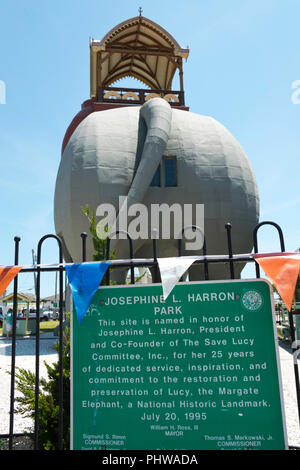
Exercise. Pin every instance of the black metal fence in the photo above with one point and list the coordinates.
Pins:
(130, 263)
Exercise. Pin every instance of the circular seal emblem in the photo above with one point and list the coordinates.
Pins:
(252, 300)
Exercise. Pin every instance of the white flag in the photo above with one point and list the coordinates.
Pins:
(171, 270)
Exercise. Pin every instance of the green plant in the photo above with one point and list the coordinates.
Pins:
(48, 398)
(98, 243)
(2, 444)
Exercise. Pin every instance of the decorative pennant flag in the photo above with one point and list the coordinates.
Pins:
(7, 274)
(283, 271)
(171, 270)
(84, 279)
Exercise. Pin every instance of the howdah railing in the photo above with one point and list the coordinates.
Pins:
(138, 96)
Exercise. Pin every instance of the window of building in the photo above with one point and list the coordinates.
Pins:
(170, 168)
(169, 173)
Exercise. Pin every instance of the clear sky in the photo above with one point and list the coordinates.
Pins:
(244, 58)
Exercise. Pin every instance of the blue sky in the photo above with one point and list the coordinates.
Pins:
(244, 57)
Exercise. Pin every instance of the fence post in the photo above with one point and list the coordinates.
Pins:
(228, 227)
(195, 227)
(37, 344)
(83, 238)
(255, 244)
(155, 276)
(13, 348)
(130, 254)
(291, 320)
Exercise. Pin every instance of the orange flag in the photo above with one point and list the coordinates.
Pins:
(7, 274)
(283, 271)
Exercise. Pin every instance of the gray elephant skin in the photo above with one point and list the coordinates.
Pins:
(116, 153)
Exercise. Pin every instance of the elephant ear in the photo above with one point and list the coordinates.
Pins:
(157, 116)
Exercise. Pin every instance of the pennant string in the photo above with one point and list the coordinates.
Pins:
(172, 269)
(84, 280)
(7, 274)
(283, 271)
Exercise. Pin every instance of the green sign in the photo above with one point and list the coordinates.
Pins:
(198, 371)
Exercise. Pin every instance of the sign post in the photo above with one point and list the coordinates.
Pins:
(198, 371)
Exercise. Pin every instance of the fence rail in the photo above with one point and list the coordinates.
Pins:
(230, 258)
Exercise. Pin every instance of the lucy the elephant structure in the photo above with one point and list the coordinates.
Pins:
(117, 152)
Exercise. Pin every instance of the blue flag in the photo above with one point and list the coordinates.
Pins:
(84, 280)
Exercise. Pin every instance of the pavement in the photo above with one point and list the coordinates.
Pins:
(25, 358)
(289, 394)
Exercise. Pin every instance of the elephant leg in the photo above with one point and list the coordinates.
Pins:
(118, 276)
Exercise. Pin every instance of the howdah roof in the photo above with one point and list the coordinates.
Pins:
(140, 48)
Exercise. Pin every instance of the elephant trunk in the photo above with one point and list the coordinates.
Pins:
(157, 115)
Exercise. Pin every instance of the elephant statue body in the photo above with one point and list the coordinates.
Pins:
(125, 152)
